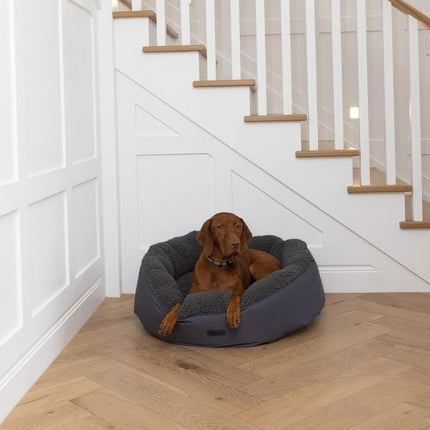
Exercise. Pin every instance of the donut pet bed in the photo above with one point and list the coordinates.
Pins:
(281, 303)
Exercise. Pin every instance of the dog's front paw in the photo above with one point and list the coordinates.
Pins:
(233, 315)
(167, 325)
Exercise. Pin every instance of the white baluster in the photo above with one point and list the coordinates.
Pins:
(136, 4)
(336, 30)
(185, 22)
(415, 120)
(363, 92)
(210, 39)
(261, 56)
(287, 86)
(390, 131)
(312, 74)
(236, 69)
(161, 22)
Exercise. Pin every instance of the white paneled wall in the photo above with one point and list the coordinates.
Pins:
(51, 271)
(8, 161)
(39, 29)
(11, 297)
(154, 180)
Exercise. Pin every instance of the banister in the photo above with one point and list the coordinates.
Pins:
(410, 10)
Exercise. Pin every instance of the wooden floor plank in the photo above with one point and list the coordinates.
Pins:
(197, 381)
(421, 400)
(318, 369)
(400, 417)
(189, 358)
(58, 392)
(398, 324)
(63, 371)
(363, 364)
(418, 359)
(359, 407)
(122, 413)
(413, 341)
(412, 302)
(36, 415)
(294, 406)
(401, 314)
(88, 423)
(418, 376)
(166, 400)
(346, 331)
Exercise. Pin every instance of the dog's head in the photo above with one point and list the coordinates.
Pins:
(225, 235)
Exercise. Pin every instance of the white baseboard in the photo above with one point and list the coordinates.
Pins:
(28, 369)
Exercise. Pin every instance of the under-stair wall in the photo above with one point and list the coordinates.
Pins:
(186, 152)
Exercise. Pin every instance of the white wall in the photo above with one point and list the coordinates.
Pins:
(51, 276)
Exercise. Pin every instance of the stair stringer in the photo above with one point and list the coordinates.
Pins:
(233, 183)
(322, 182)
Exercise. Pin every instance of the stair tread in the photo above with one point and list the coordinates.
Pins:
(276, 117)
(118, 14)
(398, 188)
(225, 83)
(175, 48)
(347, 152)
(414, 224)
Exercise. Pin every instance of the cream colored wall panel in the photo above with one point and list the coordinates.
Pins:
(41, 53)
(174, 191)
(7, 99)
(10, 280)
(86, 225)
(79, 81)
(48, 250)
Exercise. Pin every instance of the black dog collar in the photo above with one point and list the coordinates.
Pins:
(220, 263)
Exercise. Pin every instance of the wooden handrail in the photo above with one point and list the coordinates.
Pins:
(410, 10)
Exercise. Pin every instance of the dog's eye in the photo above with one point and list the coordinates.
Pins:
(239, 227)
(220, 227)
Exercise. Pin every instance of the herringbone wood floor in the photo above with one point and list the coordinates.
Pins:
(364, 364)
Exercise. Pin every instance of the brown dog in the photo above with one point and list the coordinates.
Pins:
(226, 264)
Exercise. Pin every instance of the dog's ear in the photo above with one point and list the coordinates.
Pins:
(205, 238)
(246, 236)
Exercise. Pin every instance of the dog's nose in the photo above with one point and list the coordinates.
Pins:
(235, 245)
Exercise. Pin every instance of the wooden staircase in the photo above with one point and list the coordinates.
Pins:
(325, 151)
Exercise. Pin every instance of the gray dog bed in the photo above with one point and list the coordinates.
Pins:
(279, 304)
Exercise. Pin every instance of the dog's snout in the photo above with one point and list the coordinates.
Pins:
(235, 245)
